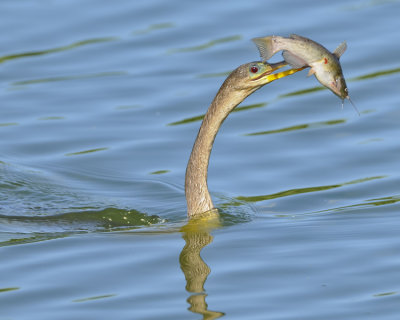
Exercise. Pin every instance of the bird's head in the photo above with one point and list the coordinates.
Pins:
(252, 76)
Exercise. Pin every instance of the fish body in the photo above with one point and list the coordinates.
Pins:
(300, 52)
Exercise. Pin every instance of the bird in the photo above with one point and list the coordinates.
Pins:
(240, 83)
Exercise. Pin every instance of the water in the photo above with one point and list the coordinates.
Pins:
(100, 106)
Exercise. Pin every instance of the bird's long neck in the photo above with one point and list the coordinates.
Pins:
(197, 195)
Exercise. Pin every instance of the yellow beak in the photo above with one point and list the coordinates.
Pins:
(269, 76)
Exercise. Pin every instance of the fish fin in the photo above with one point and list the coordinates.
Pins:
(265, 46)
(296, 36)
(340, 49)
(293, 60)
(311, 72)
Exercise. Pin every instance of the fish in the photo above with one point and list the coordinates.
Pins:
(301, 52)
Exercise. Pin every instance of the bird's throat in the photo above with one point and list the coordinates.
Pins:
(196, 189)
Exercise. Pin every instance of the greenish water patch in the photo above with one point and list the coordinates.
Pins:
(95, 298)
(384, 294)
(85, 152)
(51, 118)
(372, 140)
(160, 172)
(21, 238)
(187, 120)
(233, 211)
(301, 92)
(297, 191)
(109, 219)
(250, 107)
(8, 289)
(384, 201)
(69, 78)
(376, 74)
(201, 117)
(154, 27)
(207, 45)
(106, 219)
(58, 49)
(215, 75)
(8, 124)
(319, 124)
(134, 106)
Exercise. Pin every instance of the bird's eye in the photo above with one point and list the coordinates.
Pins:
(254, 69)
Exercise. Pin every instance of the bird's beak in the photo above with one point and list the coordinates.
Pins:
(269, 76)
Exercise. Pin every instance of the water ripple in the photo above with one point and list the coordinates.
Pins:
(154, 27)
(297, 191)
(68, 78)
(78, 153)
(207, 45)
(314, 125)
(57, 49)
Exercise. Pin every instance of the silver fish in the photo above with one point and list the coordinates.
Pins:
(299, 52)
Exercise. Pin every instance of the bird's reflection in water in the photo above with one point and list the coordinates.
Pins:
(197, 235)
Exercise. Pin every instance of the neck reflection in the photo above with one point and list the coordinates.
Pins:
(197, 235)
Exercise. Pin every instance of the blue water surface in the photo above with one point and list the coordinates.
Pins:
(100, 105)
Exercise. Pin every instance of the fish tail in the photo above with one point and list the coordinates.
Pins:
(265, 46)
